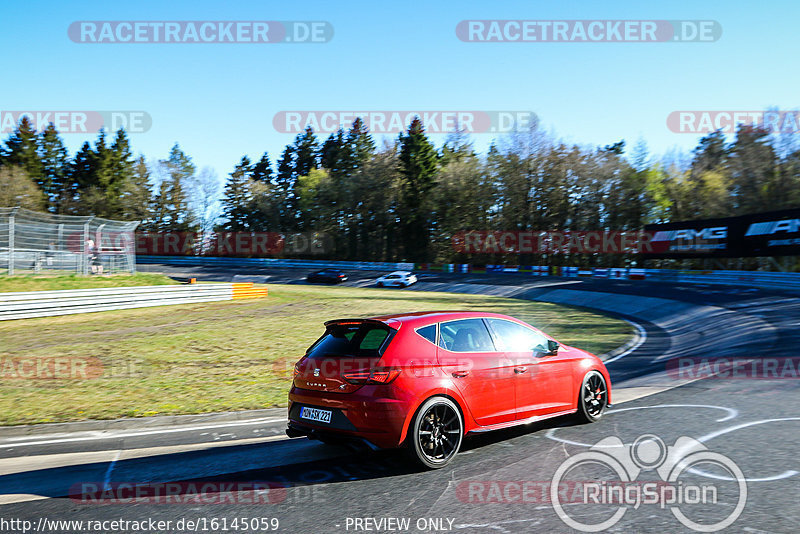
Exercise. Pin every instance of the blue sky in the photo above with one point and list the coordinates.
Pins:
(218, 100)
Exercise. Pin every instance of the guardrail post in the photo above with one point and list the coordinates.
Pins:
(11, 242)
(84, 252)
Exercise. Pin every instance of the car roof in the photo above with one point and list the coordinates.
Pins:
(398, 272)
(417, 319)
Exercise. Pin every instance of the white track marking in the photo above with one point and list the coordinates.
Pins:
(551, 284)
(731, 414)
(641, 332)
(786, 474)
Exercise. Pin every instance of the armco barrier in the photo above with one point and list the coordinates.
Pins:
(24, 305)
(765, 279)
(275, 262)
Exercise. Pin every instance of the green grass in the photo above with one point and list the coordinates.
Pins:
(51, 283)
(220, 356)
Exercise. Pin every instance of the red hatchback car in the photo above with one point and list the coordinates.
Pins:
(425, 380)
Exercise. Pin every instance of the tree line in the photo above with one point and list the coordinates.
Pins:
(405, 198)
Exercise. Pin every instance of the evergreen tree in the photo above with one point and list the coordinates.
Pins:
(262, 170)
(22, 150)
(237, 198)
(55, 167)
(362, 146)
(81, 176)
(136, 195)
(264, 214)
(284, 191)
(306, 149)
(418, 167)
(119, 176)
(333, 154)
(172, 211)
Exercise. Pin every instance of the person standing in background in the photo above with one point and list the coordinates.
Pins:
(94, 257)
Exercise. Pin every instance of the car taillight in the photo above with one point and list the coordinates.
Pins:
(341, 276)
(296, 370)
(376, 376)
(356, 377)
(384, 376)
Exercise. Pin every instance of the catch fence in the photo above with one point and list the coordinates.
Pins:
(36, 243)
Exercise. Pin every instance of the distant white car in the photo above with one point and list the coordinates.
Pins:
(397, 279)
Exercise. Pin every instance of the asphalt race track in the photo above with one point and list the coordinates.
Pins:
(500, 482)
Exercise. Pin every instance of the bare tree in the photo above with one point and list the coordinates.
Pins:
(205, 188)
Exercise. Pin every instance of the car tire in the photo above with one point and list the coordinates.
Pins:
(592, 397)
(380, 284)
(435, 434)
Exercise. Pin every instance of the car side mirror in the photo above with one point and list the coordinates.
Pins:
(551, 350)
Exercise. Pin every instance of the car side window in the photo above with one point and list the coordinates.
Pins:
(428, 332)
(465, 335)
(514, 337)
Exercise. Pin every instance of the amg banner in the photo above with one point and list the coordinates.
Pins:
(775, 233)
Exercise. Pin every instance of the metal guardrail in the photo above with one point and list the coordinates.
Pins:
(276, 262)
(29, 304)
(764, 279)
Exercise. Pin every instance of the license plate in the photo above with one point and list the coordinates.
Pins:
(315, 414)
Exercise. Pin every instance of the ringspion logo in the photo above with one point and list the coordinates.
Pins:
(618, 491)
(199, 31)
(588, 31)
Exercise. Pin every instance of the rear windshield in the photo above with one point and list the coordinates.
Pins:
(353, 340)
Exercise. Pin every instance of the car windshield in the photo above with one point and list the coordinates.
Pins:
(350, 340)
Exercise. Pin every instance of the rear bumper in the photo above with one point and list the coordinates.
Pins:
(362, 415)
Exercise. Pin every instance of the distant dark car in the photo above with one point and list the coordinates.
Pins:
(327, 276)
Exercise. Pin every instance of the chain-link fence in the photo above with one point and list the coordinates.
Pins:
(32, 243)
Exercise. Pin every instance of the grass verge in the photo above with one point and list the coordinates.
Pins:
(221, 356)
(51, 283)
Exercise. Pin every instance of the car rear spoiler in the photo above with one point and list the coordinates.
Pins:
(359, 321)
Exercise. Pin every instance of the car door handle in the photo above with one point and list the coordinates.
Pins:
(520, 370)
(460, 374)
